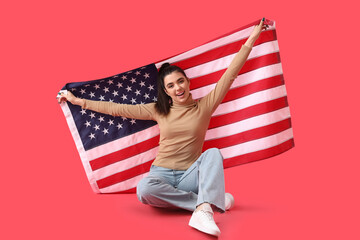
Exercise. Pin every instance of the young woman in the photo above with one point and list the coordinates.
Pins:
(181, 176)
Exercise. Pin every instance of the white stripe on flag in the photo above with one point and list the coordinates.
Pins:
(242, 34)
(248, 124)
(258, 144)
(124, 185)
(251, 100)
(122, 143)
(243, 79)
(264, 49)
(224, 62)
(126, 163)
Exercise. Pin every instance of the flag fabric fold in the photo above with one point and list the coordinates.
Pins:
(252, 123)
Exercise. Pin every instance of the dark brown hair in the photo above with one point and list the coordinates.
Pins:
(164, 102)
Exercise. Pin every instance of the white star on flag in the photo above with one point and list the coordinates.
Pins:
(101, 118)
(102, 98)
(92, 136)
(105, 131)
(115, 93)
(88, 124)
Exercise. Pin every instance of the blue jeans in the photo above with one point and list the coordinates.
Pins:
(202, 182)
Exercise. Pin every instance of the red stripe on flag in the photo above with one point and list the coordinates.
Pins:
(124, 175)
(222, 51)
(259, 155)
(267, 21)
(249, 135)
(254, 87)
(206, 79)
(124, 153)
(224, 35)
(249, 112)
(250, 65)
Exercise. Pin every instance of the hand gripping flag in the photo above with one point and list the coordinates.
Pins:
(252, 122)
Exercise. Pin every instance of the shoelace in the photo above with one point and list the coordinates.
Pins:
(207, 215)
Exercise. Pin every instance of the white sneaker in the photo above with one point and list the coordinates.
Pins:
(229, 201)
(203, 221)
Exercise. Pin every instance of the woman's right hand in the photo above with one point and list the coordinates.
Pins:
(69, 97)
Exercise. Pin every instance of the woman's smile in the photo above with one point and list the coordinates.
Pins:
(180, 94)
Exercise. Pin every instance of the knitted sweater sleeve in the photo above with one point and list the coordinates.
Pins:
(214, 98)
(138, 111)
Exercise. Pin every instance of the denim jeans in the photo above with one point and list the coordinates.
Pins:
(202, 182)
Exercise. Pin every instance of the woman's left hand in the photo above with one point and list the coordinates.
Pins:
(257, 30)
(255, 33)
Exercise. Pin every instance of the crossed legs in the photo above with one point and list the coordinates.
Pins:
(203, 182)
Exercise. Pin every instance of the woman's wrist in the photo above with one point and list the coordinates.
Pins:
(250, 42)
(79, 101)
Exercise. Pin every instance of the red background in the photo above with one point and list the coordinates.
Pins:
(309, 192)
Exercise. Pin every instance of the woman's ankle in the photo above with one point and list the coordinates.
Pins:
(202, 206)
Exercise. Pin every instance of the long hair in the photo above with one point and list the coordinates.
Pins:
(164, 102)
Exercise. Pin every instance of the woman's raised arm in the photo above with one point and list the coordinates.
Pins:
(214, 98)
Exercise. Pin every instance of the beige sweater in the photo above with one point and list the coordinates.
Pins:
(182, 131)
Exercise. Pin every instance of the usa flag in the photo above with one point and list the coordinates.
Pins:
(252, 123)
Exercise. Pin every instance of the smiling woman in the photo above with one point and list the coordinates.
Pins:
(181, 175)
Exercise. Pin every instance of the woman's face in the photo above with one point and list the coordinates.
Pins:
(177, 87)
